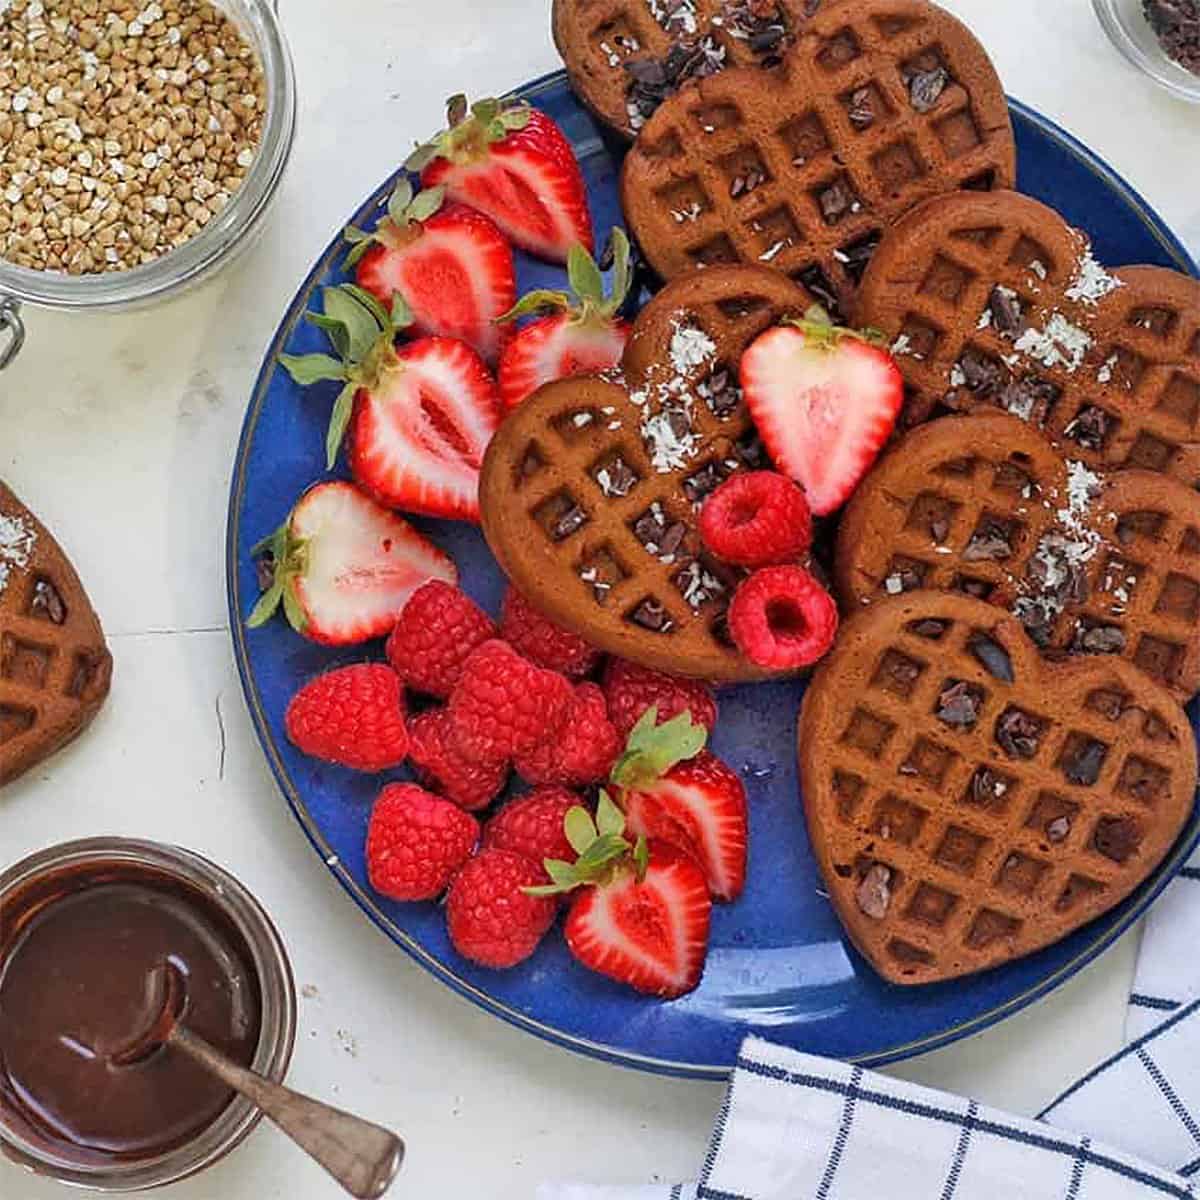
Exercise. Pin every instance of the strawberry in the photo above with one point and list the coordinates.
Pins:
(541, 641)
(692, 800)
(640, 913)
(416, 842)
(436, 633)
(344, 567)
(441, 766)
(513, 163)
(582, 751)
(631, 689)
(353, 716)
(450, 263)
(491, 915)
(532, 825)
(420, 415)
(504, 705)
(825, 400)
(581, 335)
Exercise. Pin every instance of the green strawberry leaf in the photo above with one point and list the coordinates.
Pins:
(357, 251)
(362, 330)
(268, 602)
(354, 235)
(641, 857)
(538, 301)
(484, 111)
(297, 618)
(821, 333)
(516, 116)
(604, 850)
(399, 200)
(338, 420)
(275, 542)
(653, 749)
(337, 333)
(609, 818)
(580, 829)
(401, 315)
(563, 878)
(426, 204)
(307, 369)
(371, 304)
(586, 281)
(423, 155)
(622, 276)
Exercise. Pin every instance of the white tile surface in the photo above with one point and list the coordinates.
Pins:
(120, 431)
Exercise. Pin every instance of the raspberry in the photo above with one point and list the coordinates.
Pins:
(584, 749)
(437, 631)
(782, 618)
(504, 705)
(543, 642)
(491, 919)
(757, 519)
(532, 825)
(631, 690)
(416, 842)
(353, 716)
(442, 768)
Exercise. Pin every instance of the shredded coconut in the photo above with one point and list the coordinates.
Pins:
(698, 585)
(902, 345)
(16, 545)
(1038, 268)
(690, 348)
(1060, 344)
(1091, 282)
(1105, 374)
(668, 450)
(770, 254)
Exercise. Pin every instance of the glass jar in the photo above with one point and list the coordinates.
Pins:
(1128, 29)
(217, 244)
(109, 857)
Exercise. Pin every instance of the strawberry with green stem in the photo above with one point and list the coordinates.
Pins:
(824, 400)
(577, 334)
(450, 263)
(417, 416)
(513, 163)
(343, 567)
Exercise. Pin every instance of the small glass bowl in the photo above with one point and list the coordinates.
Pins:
(109, 856)
(229, 232)
(1125, 23)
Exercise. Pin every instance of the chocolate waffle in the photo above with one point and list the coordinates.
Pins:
(54, 666)
(624, 57)
(985, 506)
(969, 802)
(879, 105)
(590, 489)
(995, 301)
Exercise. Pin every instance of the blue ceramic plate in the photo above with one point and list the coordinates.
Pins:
(778, 964)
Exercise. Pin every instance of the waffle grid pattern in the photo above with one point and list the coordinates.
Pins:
(966, 875)
(689, 156)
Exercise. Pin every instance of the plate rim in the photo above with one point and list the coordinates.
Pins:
(445, 973)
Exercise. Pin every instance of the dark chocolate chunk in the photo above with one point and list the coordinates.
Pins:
(836, 201)
(987, 787)
(817, 282)
(48, 605)
(703, 482)
(672, 539)
(856, 257)
(926, 87)
(1018, 733)
(939, 527)
(861, 109)
(992, 655)
(1086, 759)
(649, 529)
(651, 615)
(750, 449)
(1117, 838)
(1030, 398)
(959, 704)
(983, 375)
(574, 518)
(1005, 306)
(720, 392)
(1058, 829)
(929, 628)
(989, 543)
(1089, 428)
(1098, 639)
(874, 892)
(620, 477)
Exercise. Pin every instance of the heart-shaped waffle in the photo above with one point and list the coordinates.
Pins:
(1090, 564)
(879, 105)
(624, 57)
(589, 490)
(969, 802)
(996, 301)
(54, 666)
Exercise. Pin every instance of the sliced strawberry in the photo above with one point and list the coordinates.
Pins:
(418, 436)
(583, 337)
(423, 413)
(344, 567)
(825, 400)
(450, 263)
(698, 806)
(649, 932)
(513, 163)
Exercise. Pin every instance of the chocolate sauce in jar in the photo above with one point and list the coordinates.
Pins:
(78, 949)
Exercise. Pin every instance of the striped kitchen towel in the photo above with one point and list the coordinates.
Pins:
(794, 1127)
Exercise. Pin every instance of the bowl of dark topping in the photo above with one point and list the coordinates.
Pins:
(1160, 38)
(86, 929)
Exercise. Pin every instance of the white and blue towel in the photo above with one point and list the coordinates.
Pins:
(795, 1127)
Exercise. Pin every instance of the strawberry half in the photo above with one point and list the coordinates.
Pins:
(699, 805)
(451, 264)
(641, 911)
(825, 400)
(581, 336)
(343, 567)
(513, 163)
(420, 414)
